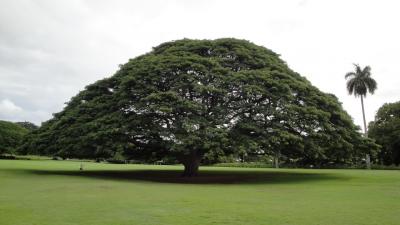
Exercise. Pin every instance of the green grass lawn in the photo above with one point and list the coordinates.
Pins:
(45, 192)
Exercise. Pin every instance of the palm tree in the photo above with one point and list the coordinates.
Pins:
(359, 83)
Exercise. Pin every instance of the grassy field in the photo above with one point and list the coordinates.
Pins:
(45, 192)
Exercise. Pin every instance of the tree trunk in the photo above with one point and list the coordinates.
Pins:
(363, 112)
(276, 159)
(368, 161)
(367, 157)
(191, 164)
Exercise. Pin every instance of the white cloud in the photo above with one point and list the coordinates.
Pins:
(8, 108)
(11, 112)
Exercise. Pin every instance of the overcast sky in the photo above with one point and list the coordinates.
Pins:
(50, 50)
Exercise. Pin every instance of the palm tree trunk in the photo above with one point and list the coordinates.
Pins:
(363, 112)
(367, 158)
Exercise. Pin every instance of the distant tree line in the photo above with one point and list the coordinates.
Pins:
(11, 135)
(385, 129)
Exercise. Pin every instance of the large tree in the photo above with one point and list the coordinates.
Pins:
(386, 131)
(191, 99)
(359, 83)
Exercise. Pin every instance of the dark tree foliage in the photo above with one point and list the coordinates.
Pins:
(28, 125)
(386, 131)
(194, 99)
(11, 135)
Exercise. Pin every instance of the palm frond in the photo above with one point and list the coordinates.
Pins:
(358, 68)
(350, 86)
(359, 82)
(349, 74)
(366, 71)
(371, 85)
(360, 88)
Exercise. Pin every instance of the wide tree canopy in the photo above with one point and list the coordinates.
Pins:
(386, 131)
(195, 99)
(11, 135)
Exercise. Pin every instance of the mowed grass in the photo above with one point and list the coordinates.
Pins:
(45, 192)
